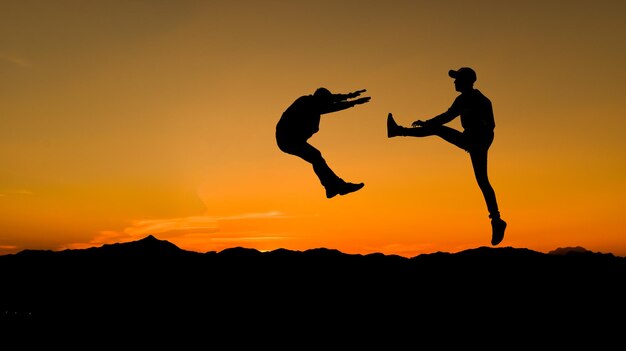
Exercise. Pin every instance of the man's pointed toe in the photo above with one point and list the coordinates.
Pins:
(393, 129)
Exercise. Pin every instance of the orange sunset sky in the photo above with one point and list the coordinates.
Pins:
(122, 119)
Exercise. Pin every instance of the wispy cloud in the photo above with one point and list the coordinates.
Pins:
(271, 214)
(169, 225)
(16, 192)
(15, 60)
(184, 229)
(7, 249)
(245, 238)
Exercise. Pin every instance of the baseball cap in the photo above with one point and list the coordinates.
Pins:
(463, 73)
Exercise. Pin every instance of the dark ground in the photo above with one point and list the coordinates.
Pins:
(244, 297)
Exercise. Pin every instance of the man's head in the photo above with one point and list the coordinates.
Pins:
(465, 74)
(322, 92)
(464, 78)
(323, 96)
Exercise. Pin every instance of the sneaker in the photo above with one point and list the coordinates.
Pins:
(348, 188)
(343, 189)
(497, 231)
(393, 129)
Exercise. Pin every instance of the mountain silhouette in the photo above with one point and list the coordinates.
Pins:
(314, 292)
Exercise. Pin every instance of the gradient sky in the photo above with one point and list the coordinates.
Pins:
(122, 119)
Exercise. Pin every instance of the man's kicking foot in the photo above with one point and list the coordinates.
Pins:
(497, 231)
(393, 129)
(343, 189)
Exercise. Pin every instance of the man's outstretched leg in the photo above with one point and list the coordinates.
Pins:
(449, 134)
(332, 183)
(479, 163)
(394, 130)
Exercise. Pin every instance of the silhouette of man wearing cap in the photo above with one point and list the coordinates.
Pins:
(301, 120)
(478, 125)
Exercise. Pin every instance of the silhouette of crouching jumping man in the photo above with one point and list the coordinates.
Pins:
(478, 124)
(301, 120)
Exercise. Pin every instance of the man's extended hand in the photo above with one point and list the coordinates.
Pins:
(361, 100)
(418, 123)
(355, 93)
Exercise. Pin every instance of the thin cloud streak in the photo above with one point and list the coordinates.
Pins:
(17, 192)
(261, 215)
(156, 226)
(16, 61)
(181, 228)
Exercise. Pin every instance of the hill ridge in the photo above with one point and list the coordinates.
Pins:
(152, 244)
